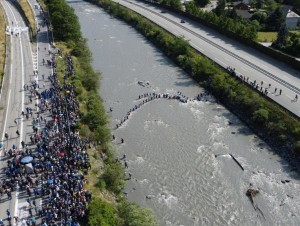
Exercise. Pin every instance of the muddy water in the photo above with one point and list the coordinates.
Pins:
(170, 146)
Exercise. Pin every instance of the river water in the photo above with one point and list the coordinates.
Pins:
(170, 146)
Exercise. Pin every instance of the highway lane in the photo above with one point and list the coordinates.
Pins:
(38, 53)
(25, 66)
(15, 99)
(226, 52)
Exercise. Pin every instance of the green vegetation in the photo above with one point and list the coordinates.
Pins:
(202, 3)
(276, 20)
(2, 44)
(175, 4)
(288, 42)
(220, 21)
(266, 36)
(29, 15)
(268, 119)
(102, 213)
(133, 215)
(106, 178)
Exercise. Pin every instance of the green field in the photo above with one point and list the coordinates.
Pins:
(266, 36)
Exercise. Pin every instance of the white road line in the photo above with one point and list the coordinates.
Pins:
(243, 69)
(16, 22)
(22, 86)
(220, 61)
(198, 48)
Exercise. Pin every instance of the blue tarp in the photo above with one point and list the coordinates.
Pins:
(50, 181)
(27, 159)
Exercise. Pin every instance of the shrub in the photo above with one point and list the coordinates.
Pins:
(101, 213)
(260, 116)
(133, 215)
(114, 177)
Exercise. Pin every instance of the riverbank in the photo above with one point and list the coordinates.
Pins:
(106, 178)
(2, 43)
(269, 120)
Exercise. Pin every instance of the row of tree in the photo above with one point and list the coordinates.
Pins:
(93, 123)
(219, 19)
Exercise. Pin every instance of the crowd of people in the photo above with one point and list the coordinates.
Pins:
(52, 165)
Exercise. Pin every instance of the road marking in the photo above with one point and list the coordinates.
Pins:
(220, 61)
(201, 50)
(22, 87)
(243, 69)
(16, 22)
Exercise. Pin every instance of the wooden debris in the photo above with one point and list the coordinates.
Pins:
(251, 193)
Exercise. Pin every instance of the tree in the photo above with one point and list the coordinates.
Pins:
(65, 22)
(180, 46)
(261, 17)
(201, 3)
(176, 4)
(114, 177)
(101, 213)
(133, 215)
(220, 9)
(261, 116)
(297, 147)
(282, 37)
(295, 3)
(275, 20)
(232, 14)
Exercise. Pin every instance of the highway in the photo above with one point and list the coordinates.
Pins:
(266, 71)
(24, 60)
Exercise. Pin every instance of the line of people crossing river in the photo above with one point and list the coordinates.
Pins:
(148, 97)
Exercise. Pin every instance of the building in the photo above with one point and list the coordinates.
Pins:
(292, 19)
(241, 6)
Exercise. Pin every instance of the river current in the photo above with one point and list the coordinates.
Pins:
(171, 146)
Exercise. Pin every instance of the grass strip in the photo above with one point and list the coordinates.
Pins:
(29, 14)
(266, 36)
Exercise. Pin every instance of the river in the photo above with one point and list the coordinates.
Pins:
(171, 146)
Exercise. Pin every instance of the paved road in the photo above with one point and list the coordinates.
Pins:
(23, 59)
(227, 52)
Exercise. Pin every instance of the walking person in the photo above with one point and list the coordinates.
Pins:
(16, 218)
(8, 214)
